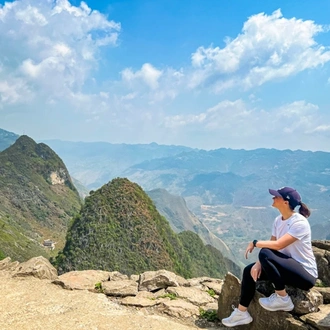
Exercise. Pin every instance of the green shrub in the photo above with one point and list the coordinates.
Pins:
(172, 296)
(98, 287)
(211, 292)
(2, 255)
(320, 284)
(209, 315)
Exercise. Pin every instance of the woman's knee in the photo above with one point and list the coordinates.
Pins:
(247, 271)
(263, 254)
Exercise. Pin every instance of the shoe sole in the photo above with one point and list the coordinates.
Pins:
(287, 309)
(229, 325)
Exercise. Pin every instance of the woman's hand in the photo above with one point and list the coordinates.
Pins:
(256, 271)
(249, 249)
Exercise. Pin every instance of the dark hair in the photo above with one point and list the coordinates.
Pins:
(304, 210)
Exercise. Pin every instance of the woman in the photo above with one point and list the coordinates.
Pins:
(286, 259)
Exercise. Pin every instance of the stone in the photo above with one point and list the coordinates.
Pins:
(159, 293)
(4, 263)
(215, 286)
(319, 320)
(178, 308)
(305, 301)
(138, 302)
(194, 282)
(155, 280)
(8, 265)
(261, 317)
(82, 280)
(321, 244)
(193, 295)
(211, 306)
(199, 281)
(134, 278)
(229, 295)
(38, 267)
(146, 294)
(181, 281)
(323, 265)
(117, 276)
(325, 292)
(120, 288)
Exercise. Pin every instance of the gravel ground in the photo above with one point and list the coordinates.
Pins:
(33, 304)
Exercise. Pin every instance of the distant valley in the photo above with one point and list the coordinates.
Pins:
(226, 190)
(117, 227)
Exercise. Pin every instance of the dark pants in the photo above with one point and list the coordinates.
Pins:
(278, 268)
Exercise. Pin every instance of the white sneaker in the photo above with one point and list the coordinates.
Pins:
(276, 303)
(237, 318)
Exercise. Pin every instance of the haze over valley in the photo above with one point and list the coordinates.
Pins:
(220, 194)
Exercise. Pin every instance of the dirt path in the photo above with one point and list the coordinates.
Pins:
(33, 304)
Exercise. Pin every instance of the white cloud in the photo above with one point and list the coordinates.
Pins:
(156, 86)
(222, 116)
(148, 74)
(51, 49)
(51, 46)
(238, 119)
(322, 128)
(14, 91)
(298, 116)
(270, 47)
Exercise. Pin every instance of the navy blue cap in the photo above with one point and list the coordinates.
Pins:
(289, 194)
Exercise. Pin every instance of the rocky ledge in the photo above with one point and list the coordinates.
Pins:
(194, 301)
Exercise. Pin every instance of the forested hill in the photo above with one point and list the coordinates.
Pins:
(37, 199)
(119, 229)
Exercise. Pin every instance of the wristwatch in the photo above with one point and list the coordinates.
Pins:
(255, 242)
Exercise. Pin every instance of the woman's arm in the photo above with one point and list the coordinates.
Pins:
(278, 244)
(273, 243)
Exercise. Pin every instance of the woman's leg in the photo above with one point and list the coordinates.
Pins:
(248, 286)
(282, 270)
(240, 315)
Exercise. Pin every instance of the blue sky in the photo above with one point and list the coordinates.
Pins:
(206, 74)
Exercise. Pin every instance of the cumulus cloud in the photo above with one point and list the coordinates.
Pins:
(238, 119)
(51, 46)
(148, 74)
(153, 84)
(13, 91)
(51, 49)
(270, 47)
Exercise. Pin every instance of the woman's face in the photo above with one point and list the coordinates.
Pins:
(278, 202)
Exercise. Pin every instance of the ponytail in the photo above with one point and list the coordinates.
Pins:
(304, 210)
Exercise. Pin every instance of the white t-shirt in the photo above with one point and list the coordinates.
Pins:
(300, 250)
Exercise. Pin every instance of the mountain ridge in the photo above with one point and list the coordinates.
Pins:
(37, 198)
(227, 189)
(120, 229)
(174, 209)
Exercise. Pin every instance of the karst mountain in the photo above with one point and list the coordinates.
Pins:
(120, 229)
(37, 199)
